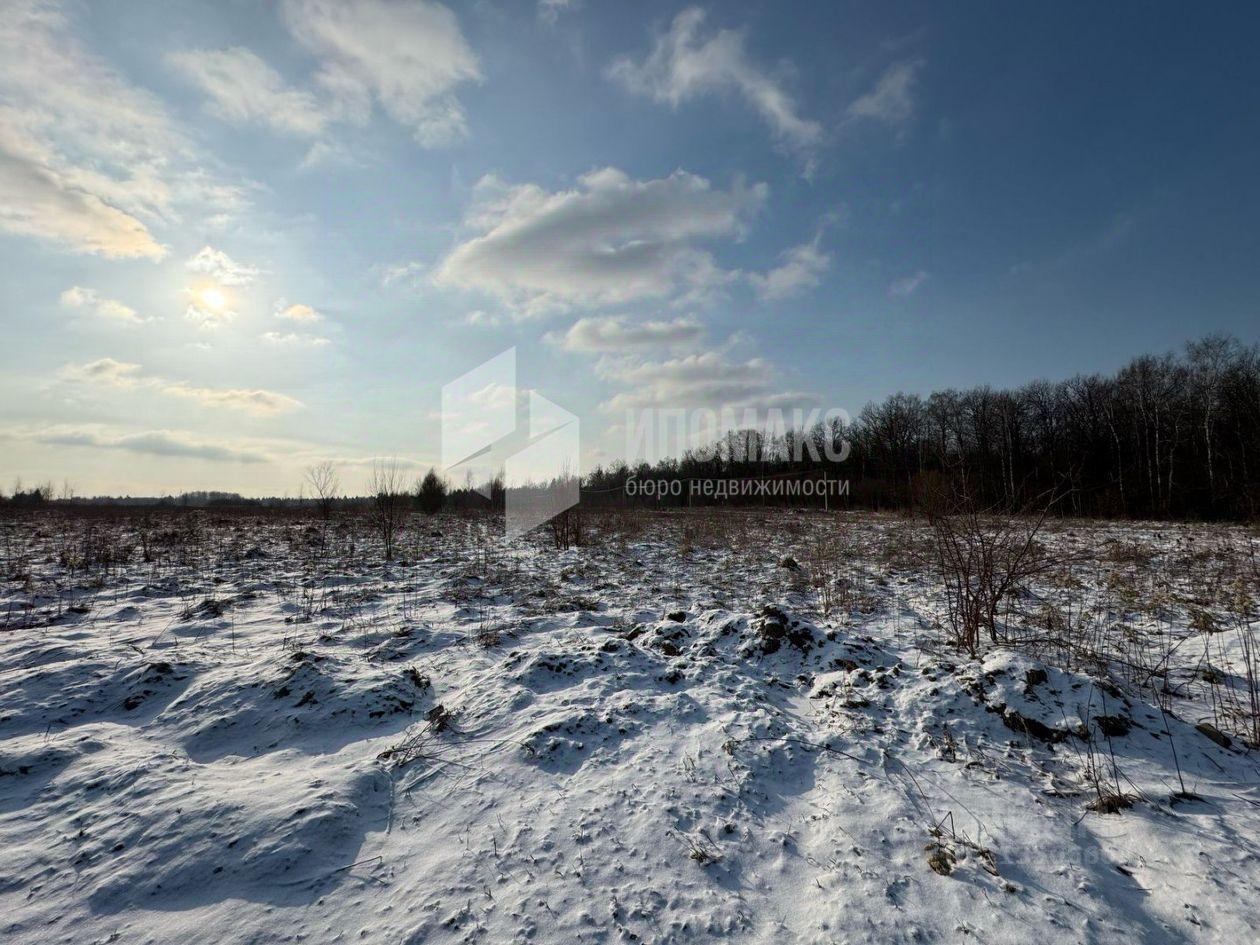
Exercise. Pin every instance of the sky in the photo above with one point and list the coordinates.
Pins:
(240, 238)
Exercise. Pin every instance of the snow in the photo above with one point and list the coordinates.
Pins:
(642, 740)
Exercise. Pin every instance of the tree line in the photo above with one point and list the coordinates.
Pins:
(1167, 436)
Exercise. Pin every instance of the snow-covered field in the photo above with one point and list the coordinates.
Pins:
(693, 728)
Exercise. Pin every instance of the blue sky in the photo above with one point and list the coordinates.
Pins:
(240, 238)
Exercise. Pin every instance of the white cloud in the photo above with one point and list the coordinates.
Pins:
(295, 338)
(617, 336)
(891, 101)
(609, 241)
(124, 375)
(707, 380)
(480, 318)
(802, 268)
(110, 309)
(206, 316)
(907, 285)
(40, 198)
(407, 57)
(258, 402)
(408, 273)
(81, 150)
(219, 266)
(681, 67)
(243, 90)
(87, 160)
(297, 312)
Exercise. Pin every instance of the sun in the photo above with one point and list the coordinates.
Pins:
(212, 298)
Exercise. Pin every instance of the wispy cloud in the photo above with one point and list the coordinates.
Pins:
(296, 312)
(295, 338)
(892, 100)
(89, 161)
(259, 402)
(40, 197)
(801, 268)
(81, 150)
(242, 89)
(125, 375)
(610, 240)
(108, 371)
(708, 380)
(220, 267)
(166, 443)
(480, 318)
(619, 335)
(683, 66)
(408, 58)
(550, 10)
(108, 309)
(907, 285)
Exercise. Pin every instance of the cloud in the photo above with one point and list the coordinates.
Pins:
(88, 161)
(206, 316)
(907, 285)
(258, 402)
(801, 269)
(480, 318)
(126, 375)
(891, 101)
(244, 90)
(326, 153)
(608, 241)
(295, 338)
(219, 266)
(681, 67)
(372, 462)
(111, 309)
(1114, 232)
(407, 57)
(105, 371)
(707, 380)
(41, 200)
(550, 10)
(168, 443)
(617, 336)
(406, 273)
(297, 312)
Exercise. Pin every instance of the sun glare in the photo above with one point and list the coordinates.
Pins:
(212, 298)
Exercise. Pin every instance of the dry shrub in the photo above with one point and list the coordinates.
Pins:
(390, 499)
(566, 528)
(983, 559)
(825, 556)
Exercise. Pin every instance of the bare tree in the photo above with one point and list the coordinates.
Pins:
(324, 483)
(390, 499)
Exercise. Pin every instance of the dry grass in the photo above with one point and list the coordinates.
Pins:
(1171, 609)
